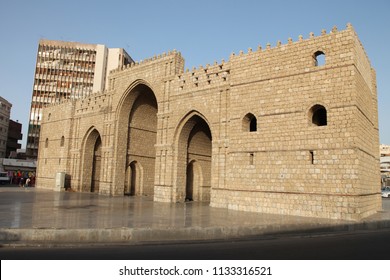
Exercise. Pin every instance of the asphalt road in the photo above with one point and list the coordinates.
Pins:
(361, 245)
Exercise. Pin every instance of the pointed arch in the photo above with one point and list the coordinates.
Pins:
(193, 158)
(134, 179)
(319, 58)
(91, 161)
(249, 123)
(187, 117)
(136, 136)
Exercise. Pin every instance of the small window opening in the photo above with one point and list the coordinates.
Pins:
(62, 141)
(249, 123)
(46, 143)
(319, 58)
(312, 157)
(319, 115)
(251, 158)
(253, 124)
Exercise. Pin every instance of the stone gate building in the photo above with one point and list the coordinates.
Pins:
(290, 129)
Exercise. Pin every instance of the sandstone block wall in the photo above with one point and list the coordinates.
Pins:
(270, 130)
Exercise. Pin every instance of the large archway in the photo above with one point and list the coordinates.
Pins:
(91, 162)
(194, 161)
(137, 138)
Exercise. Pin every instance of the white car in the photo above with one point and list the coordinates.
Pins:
(386, 192)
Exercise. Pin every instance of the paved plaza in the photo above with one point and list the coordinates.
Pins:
(33, 216)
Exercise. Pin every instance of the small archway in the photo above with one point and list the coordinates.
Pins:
(91, 162)
(319, 58)
(96, 165)
(194, 160)
(133, 183)
(194, 182)
(249, 123)
(318, 115)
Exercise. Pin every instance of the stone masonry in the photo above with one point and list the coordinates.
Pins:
(273, 130)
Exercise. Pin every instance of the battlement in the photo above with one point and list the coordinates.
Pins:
(219, 73)
(155, 58)
(92, 96)
(290, 41)
(262, 59)
(210, 75)
(94, 101)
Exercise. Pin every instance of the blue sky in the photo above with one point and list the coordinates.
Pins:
(203, 31)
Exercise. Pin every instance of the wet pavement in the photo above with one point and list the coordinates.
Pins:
(35, 216)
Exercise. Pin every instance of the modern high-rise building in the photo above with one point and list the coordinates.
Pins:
(14, 135)
(5, 112)
(68, 70)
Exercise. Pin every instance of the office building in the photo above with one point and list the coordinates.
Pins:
(68, 70)
(5, 113)
(14, 135)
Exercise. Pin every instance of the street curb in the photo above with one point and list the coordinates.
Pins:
(33, 237)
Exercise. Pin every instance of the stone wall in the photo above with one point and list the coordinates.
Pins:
(270, 130)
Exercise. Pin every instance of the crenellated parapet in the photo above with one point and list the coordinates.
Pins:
(262, 62)
(290, 41)
(204, 77)
(94, 102)
(147, 61)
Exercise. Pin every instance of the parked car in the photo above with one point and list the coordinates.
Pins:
(386, 192)
(4, 179)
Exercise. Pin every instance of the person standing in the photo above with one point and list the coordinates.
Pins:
(21, 182)
(27, 182)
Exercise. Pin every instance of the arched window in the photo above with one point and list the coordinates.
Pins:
(62, 141)
(46, 143)
(318, 115)
(319, 58)
(249, 123)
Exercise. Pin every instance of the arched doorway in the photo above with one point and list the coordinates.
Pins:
(137, 136)
(193, 179)
(133, 183)
(91, 162)
(96, 165)
(194, 182)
